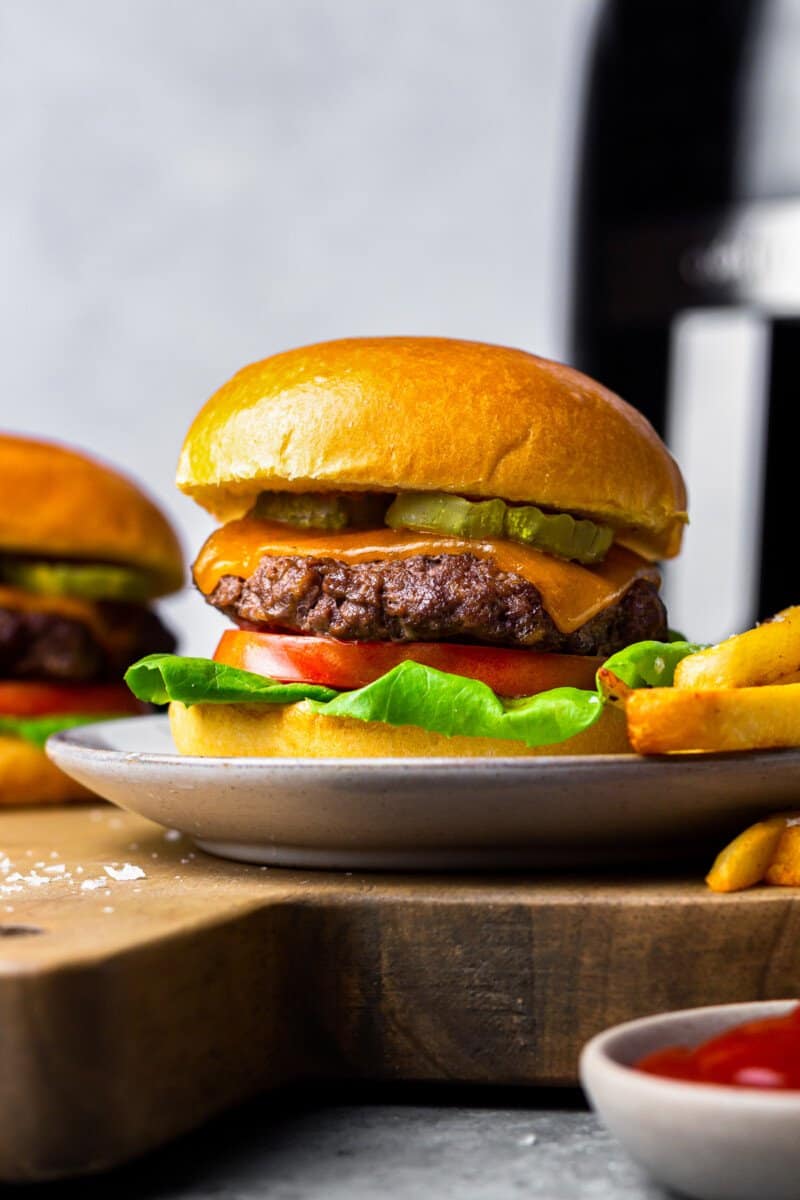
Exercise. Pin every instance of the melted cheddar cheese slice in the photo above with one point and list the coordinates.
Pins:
(71, 607)
(571, 593)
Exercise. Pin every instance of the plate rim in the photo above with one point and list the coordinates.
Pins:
(71, 741)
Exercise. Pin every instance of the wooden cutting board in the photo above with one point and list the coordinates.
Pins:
(145, 986)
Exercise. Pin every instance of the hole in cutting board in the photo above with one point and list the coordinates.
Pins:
(19, 930)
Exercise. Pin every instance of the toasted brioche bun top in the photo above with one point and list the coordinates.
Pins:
(58, 503)
(434, 414)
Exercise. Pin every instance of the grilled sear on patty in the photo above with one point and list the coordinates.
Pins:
(44, 645)
(456, 597)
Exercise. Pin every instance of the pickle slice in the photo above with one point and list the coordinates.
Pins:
(558, 533)
(555, 533)
(88, 581)
(437, 512)
(321, 510)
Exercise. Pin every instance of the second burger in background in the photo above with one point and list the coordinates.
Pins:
(429, 547)
(82, 553)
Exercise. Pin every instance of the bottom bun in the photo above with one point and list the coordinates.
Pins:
(28, 777)
(293, 731)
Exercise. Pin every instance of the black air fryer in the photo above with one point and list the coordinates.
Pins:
(687, 278)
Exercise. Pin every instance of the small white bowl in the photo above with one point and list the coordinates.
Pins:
(706, 1141)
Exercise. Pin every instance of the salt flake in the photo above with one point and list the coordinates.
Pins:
(125, 872)
(91, 885)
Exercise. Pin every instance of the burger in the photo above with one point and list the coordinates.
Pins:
(426, 547)
(82, 553)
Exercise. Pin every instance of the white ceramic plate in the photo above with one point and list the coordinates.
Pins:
(713, 1143)
(428, 813)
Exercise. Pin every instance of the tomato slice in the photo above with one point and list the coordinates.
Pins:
(346, 665)
(21, 698)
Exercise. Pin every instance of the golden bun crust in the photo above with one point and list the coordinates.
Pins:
(58, 502)
(404, 413)
(28, 777)
(293, 731)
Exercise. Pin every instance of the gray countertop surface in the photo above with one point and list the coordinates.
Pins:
(326, 1144)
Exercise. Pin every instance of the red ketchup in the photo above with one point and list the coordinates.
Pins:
(758, 1054)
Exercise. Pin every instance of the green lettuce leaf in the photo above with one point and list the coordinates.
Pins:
(649, 664)
(412, 694)
(38, 729)
(159, 678)
(409, 694)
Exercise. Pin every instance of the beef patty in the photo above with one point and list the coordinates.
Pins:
(41, 645)
(457, 597)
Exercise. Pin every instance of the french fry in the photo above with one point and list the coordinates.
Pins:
(666, 720)
(614, 689)
(784, 869)
(768, 654)
(745, 861)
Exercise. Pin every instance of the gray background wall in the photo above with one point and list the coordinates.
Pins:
(189, 186)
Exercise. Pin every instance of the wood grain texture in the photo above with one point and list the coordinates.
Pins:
(145, 1006)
